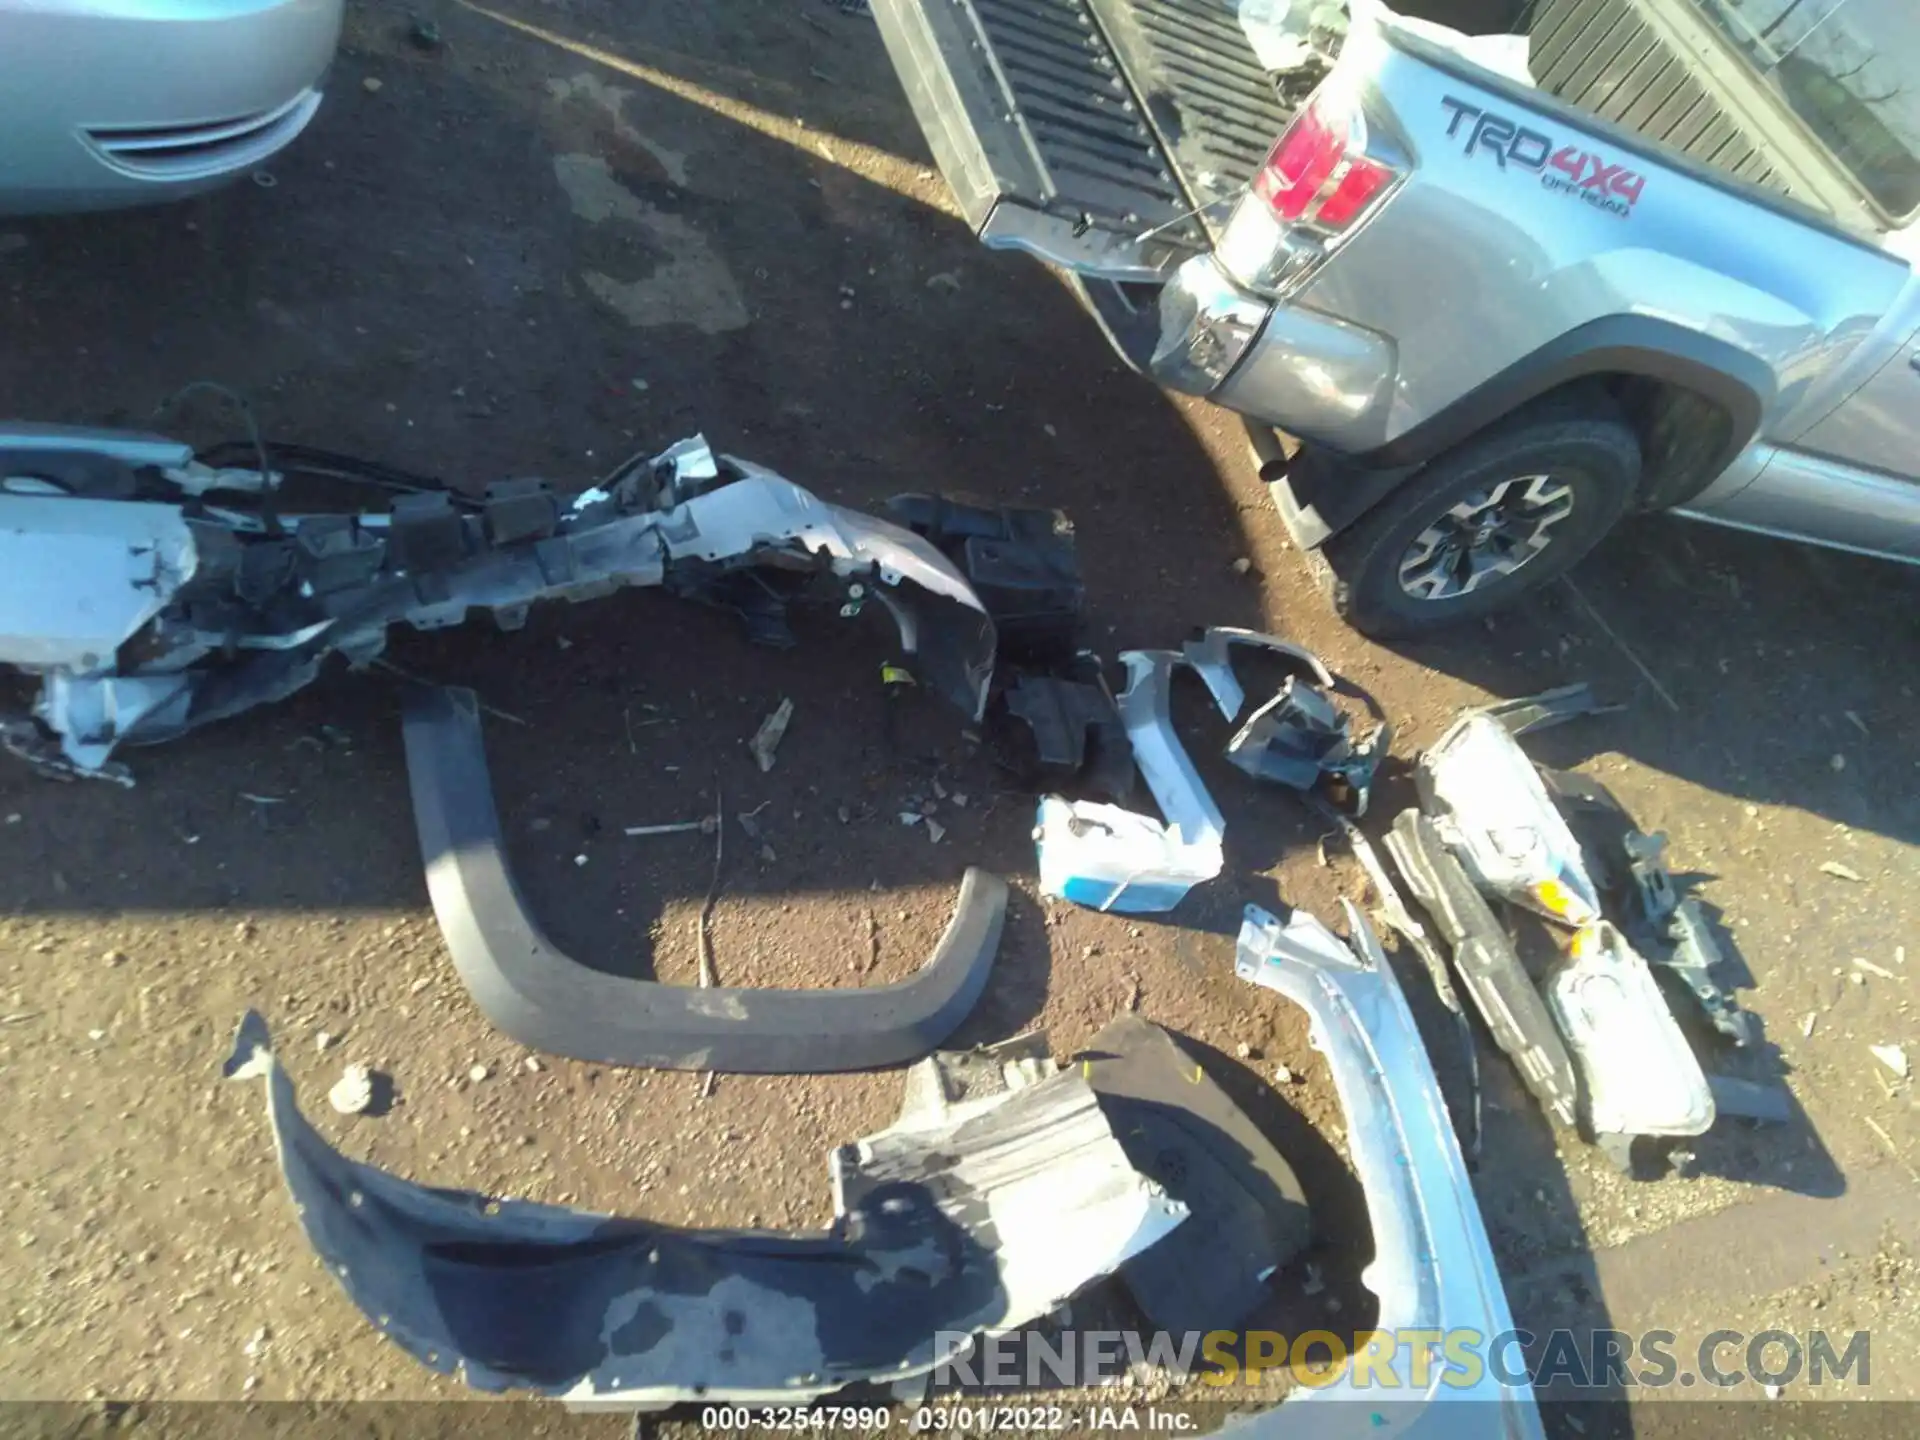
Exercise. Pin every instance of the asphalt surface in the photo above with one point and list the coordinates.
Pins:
(574, 231)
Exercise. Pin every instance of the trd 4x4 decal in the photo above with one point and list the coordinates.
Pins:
(1565, 168)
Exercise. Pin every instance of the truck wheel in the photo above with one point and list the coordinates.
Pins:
(1505, 514)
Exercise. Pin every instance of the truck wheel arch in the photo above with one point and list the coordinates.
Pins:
(1696, 400)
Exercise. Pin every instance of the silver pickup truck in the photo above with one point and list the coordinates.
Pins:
(1503, 272)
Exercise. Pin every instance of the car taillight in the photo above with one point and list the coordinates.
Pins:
(1320, 173)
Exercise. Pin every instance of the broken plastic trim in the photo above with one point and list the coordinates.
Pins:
(152, 611)
(1641, 1076)
(982, 1223)
(1503, 992)
(1433, 1268)
(1113, 859)
(1211, 656)
(551, 1002)
(1488, 803)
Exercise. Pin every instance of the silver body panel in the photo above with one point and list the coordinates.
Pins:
(1474, 265)
(107, 103)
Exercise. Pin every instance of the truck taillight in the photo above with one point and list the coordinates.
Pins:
(1320, 173)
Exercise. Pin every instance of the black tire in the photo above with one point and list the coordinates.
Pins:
(1583, 448)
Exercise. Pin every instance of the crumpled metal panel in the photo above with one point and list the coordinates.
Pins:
(982, 1221)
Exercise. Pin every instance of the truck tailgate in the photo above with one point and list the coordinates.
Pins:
(1073, 128)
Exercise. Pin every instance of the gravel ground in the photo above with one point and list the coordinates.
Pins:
(574, 231)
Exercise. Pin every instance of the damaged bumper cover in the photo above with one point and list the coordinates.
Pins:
(980, 1222)
(551, 1002)
(154, 610)
(1433, 1268)
(1108, 858)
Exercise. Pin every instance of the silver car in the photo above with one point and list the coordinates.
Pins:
(105, 103)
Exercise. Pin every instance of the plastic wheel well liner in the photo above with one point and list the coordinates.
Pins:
(550, 1002)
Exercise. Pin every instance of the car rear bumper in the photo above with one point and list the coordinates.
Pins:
(1306, 373)
(126, 104)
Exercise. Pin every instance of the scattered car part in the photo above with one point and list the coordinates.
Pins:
(149, 609)
(1505, 995)
(1640, 1075)
(1694, 956)
(1247, 1213)
(1108, 858)
(1671, 932)
(1528, 713)
(1113, 859)
(1433, 1268)
(1415, 934)
(1077, 736)
(1211, 657)
(1488, 803)
(981, 1224)
(1740, 1099)
(1301, 740)
(1020, 561)
(546, 1000)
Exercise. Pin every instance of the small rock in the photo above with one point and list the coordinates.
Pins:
(1839, 763)
(1894, 1057)
(14, 818)
(478, 1073)
(96, 1035)
(766, 740)
(115, 957)
(579, 860)
(1243, 1050)
(935, 830)
(1282, 1075)
(422, 983)
(1242, 565)
(424, 34)
(371, 85)
(532, 1062)
(250, 1384)
(256, 1344)
(1049, 429)
(1842, 872)
(945, 280)
(959, 800)
(243, 931)
(352, 1093)
(325, 1040)
(1773, 1392)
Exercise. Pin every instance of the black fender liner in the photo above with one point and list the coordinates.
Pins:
(1321, 492)
(545, 1000)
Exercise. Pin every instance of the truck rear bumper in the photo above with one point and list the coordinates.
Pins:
(1304, 372)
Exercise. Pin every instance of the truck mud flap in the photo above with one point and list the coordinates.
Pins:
(545, 1000)
(1104, 136)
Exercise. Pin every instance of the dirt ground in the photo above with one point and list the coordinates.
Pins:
(578, 229)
